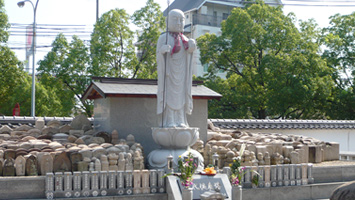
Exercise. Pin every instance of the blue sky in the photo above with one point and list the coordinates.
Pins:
(83, 12)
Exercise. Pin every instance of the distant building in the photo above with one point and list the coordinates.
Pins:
(205, 16)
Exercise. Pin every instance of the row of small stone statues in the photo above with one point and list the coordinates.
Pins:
(44, 162)
(104, 183)
(250, 158)
(277, 175)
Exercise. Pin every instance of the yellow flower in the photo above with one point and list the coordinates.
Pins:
(230, 165)
(179, 156)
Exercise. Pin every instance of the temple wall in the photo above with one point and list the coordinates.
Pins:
(137, 116)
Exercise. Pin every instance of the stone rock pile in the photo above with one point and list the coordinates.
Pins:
(264, 148)
(61, 148)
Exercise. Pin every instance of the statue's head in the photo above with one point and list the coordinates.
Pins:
(176, 21)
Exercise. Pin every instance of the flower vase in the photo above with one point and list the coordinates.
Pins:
(186, 193)
(237, 192)
(254, 186)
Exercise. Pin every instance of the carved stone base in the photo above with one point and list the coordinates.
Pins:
(175, 137)
(157, 159)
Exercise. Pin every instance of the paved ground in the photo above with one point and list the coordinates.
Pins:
(334, 163)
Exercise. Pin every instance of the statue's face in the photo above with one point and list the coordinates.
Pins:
(176, 21)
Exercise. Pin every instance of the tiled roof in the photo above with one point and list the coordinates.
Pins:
(135, 87)
(282, 124)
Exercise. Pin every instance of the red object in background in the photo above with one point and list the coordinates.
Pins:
(16, 110)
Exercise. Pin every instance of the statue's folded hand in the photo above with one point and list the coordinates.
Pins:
(192, 45)
(165, 49)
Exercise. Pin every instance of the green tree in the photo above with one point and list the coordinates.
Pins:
(273, 69)
(65, 70)
(112, 45)
(150, 23)
(339, 39)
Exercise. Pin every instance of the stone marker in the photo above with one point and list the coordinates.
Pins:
(20, 165)
(9, 167)
(286, 175)
(49, 185)
(58, 185)
(247, 177)
(61, 163)
(304, 173)
(298, 174)
(75, 157)
(68, 184)
(95, 183)
(161, 180)
(261, 178)
(46, 163)
(145, 182)
(279, 175)
(273, 174)
(292, 174)
(310, 175)
(31, 166)
(153, 181)
(9, 153)
(85, 184)
(120, 182)
(267, 176)
(76, 184)
(111, 183)
(103, 183)
(129, 182)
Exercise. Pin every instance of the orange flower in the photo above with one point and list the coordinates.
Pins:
(210, 170)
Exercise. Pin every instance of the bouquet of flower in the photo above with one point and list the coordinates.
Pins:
(187, 168)
(237, 172)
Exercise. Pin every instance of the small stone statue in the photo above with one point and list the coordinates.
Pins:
(267, 158)
(98, 165)
(129, 163)
(113, 161)
(104, 163)
(261, 158)
(121, 162)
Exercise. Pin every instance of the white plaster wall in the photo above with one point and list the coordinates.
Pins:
(345, 137)
(137, 116)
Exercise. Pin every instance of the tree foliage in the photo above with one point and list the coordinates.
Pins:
(150, 22)
(64, 69)
(339, 39)
(68, 67)
(273, 68)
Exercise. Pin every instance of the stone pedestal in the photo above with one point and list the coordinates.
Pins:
(186, 193)
(174, 141)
